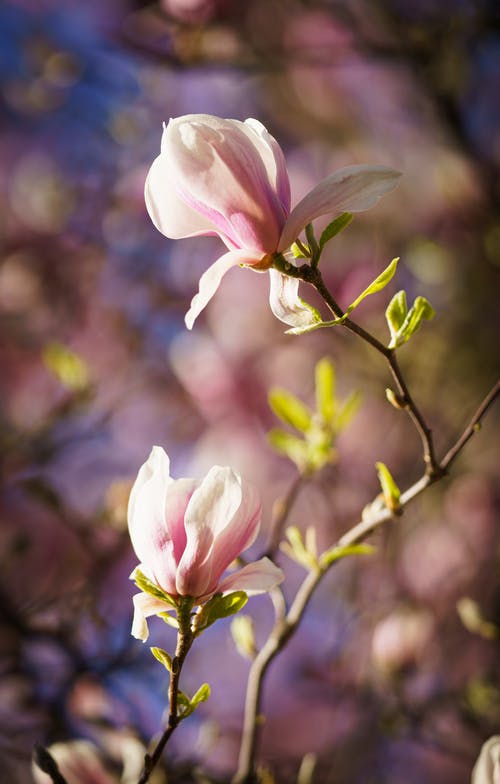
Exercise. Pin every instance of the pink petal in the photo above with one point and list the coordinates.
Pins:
(352, 189)
(274, 161)
(286, 304)
(210, 281)
(222, 519)
(172, 216)
(217, 168)
(156, 518)
(145, 605)
(257, 577)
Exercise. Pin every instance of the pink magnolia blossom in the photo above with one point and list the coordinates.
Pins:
(229, 178)
(186, 532)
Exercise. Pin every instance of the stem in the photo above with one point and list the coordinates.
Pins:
(282, 510)
(314, 278)
(276, 641)
(185, 637)
(285, 627)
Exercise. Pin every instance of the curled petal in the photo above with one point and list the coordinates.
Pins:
(257, 577)
(156, 518)
(210, 281)
(221, 169)
(222, 520)
(169, 213)
(274, 161)
(286, 304)
(351, 189)
(145, 606)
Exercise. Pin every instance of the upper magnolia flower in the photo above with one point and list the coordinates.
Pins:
(186, 532)
(229, 178)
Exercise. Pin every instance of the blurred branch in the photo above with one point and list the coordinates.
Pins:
(46, 762)
(284, 629)
(282, 509)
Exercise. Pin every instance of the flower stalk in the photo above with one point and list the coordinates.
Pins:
(185, 637)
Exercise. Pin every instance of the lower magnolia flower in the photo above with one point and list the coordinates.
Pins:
(186, 532)
(229, 178)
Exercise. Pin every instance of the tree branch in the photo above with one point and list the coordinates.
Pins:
(286, 627)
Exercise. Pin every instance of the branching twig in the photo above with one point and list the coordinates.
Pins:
(286, 626)
(313, 276)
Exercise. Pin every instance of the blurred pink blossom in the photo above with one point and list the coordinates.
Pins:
(229, 178)
(487, 768)
(400, 639)
(186, 532)
(79, 762)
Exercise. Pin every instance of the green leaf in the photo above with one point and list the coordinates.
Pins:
(420, 310)
(313, 244)
(472, 618)
(338, 552)
(169, 619)
(146, 585)
(347, 411)
(163, 657)
(303, 553)
(325, 388)
(396, 312)
(300, 251)
(182, 699)
(201, 695)
(290, 446)
(334, 228)
(220, 607)
(290, 409)
(377, 285)
(70, 369)
(390, 490)
(242, 632)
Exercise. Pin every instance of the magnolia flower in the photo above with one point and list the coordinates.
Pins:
(487, 768)
(186, 532)
(229, 178)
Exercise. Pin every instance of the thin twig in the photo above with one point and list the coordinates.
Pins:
(286, 627)
(471, 428)
(313, 276)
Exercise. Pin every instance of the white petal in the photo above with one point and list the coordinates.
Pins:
(169, 213)
(486, 769)
(352, 189)
(146, 506)
(145, 606)
(274, 161)
(210, 281)
(257, 577)
(286, 304)
(222, 519)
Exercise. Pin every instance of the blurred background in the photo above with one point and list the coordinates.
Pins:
(386, 681)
